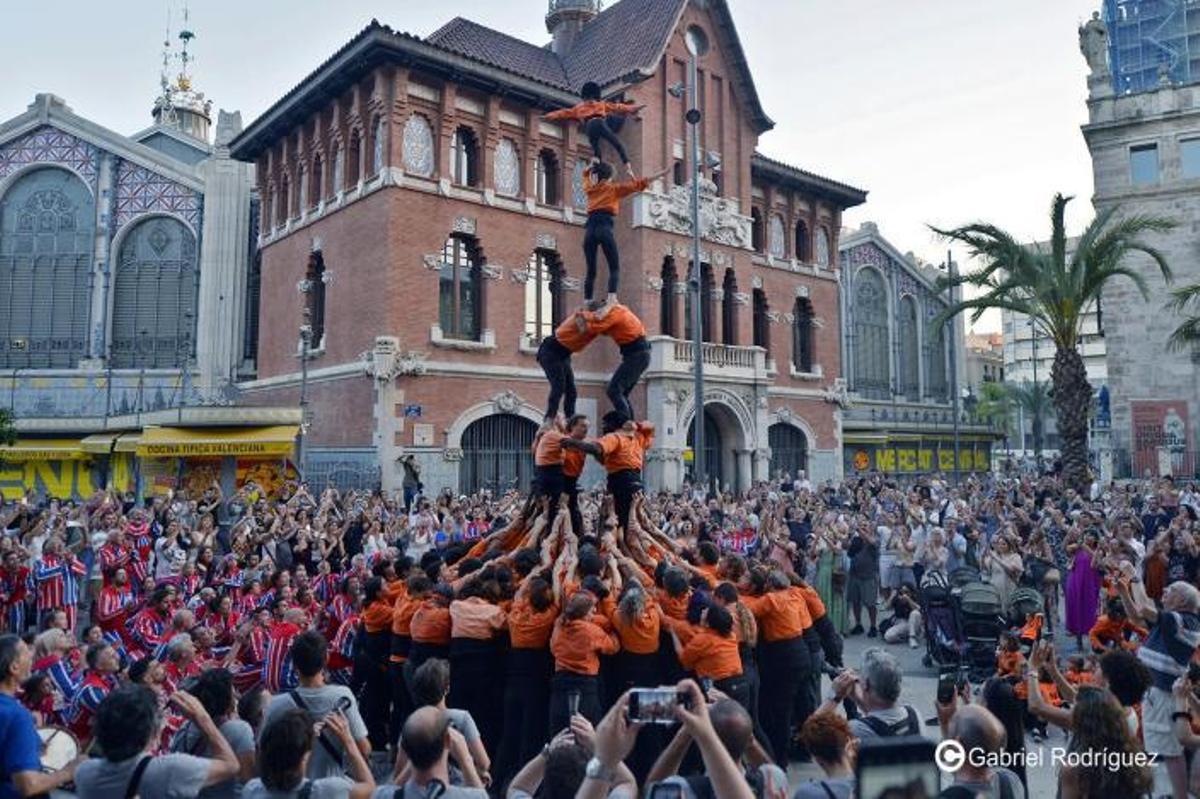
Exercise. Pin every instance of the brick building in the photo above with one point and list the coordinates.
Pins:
(429, 222)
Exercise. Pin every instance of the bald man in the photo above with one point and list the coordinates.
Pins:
(977, 729)
(429, 742)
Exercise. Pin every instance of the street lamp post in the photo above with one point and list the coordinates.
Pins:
(305, 343)
(697, 46)
(953, 267)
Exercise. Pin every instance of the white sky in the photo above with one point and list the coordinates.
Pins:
(946, 111)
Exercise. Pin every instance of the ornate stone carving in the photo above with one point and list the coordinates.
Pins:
(741, 298)
(762, 402)
(789, 318)
(507, 401)
(418, 147)
(572, 284)
(464, 224)
(385, 362)
(522, 275)
(837, 394)
(784, 414)
(802, 291)
(654, 283)
(721, 259)
(664, 454)
(718, 294)
(431, 261)
(1093, 43)
(719, 220)
(681, 287)
(453, 454)
(773, 316)
(756, 282)
(546, 241)
(491, 272)
(507, 169)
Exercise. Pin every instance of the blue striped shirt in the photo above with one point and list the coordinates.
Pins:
(1172, 642)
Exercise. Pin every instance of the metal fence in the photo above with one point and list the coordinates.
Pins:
(1141, 464)
(90, 395)
(344, 469)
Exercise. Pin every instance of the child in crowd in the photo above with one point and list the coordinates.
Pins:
(1114, 629)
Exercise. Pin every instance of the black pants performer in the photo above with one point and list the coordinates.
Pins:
(635, 358)
(555, 360)
(571, 488)
(831, 641)
(549, 482)
(561, 687)
(474, 685)
(402, 704)
(808, 697)
(624, 486)
(597, 130)
(783, 668)
(598, 234)
(418, 653)
(377, 694)
(526, 709)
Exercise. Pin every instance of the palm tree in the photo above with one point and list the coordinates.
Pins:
(8, 428)
(1053, 290)
(1185, 301)
(995, 407)
(1034, 401)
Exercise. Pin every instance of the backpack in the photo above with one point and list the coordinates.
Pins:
(135, 781)
(909, 725)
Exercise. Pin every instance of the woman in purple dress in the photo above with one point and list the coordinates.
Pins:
(1083, 585)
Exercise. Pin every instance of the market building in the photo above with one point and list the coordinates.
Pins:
(422, 229)
(902, 368)
(129, 310)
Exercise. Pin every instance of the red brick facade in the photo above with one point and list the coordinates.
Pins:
(380, 235)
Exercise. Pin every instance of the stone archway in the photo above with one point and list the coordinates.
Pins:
(730, 461)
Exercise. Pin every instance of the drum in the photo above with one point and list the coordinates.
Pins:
(59, 747)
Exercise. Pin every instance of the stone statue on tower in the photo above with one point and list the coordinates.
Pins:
(1093, 43)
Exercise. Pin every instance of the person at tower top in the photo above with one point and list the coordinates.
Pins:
(593, 113)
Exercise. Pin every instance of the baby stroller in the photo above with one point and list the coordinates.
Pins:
(944, 640)
(1023, 603)
(982, 622)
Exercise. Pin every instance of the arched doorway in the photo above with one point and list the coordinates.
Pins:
(496, 455)
(713, 448)
(789, 449)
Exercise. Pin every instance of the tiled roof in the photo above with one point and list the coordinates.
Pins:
(810, 180)
(514, 55)
(624, 38)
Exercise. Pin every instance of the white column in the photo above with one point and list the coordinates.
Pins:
(101, 274)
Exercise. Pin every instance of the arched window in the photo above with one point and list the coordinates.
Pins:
(939, 386)
(545, 176)
(268, 216)
(378, 140)
(47, 234)
(803, 246)
(872, 364)
(460, 289)
(718, 182)
(762, 323)
(708, 290)
(823, 247)
(154, 296)
(464, 158)
(354, 161)
(776, 239)
(789, 450)
(667, 302)
(756, 230)
(543, 294)
(729, 308)
(910, 363)
(677, 176)
(507, 169)
(802, 335)
(284, 208)
(713, 449)
(495, 453)
(418, 147)
(316, 182)
(314, 297)
(339, 170)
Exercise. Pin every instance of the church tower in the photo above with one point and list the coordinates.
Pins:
(566, 19)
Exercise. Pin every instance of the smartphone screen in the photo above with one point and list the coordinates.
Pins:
(897, 768)
(945, 688)
(653, 705)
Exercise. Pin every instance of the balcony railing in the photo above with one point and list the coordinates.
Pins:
(720, 360)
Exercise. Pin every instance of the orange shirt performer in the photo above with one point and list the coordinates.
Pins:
(593, 113)
(622, 450)
(557, 468)
(603, 202)
(629, 334)
(554, 356)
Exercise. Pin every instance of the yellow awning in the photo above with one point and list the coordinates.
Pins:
(43, 449)
(127, 442)
(99, 443)
(196, 442)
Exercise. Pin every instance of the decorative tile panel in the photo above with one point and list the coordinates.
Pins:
(48, 145)
(139, 191)
(418, 146)
(775, 237)
(507, 169)
(578, 193)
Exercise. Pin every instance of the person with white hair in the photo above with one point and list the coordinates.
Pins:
(875, 688)
(1174, 636)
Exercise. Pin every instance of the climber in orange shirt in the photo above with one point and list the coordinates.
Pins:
(622, 450)
(1111, 630)
(629, 334)
(593, 113)
(603, 202)
(554, 356)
